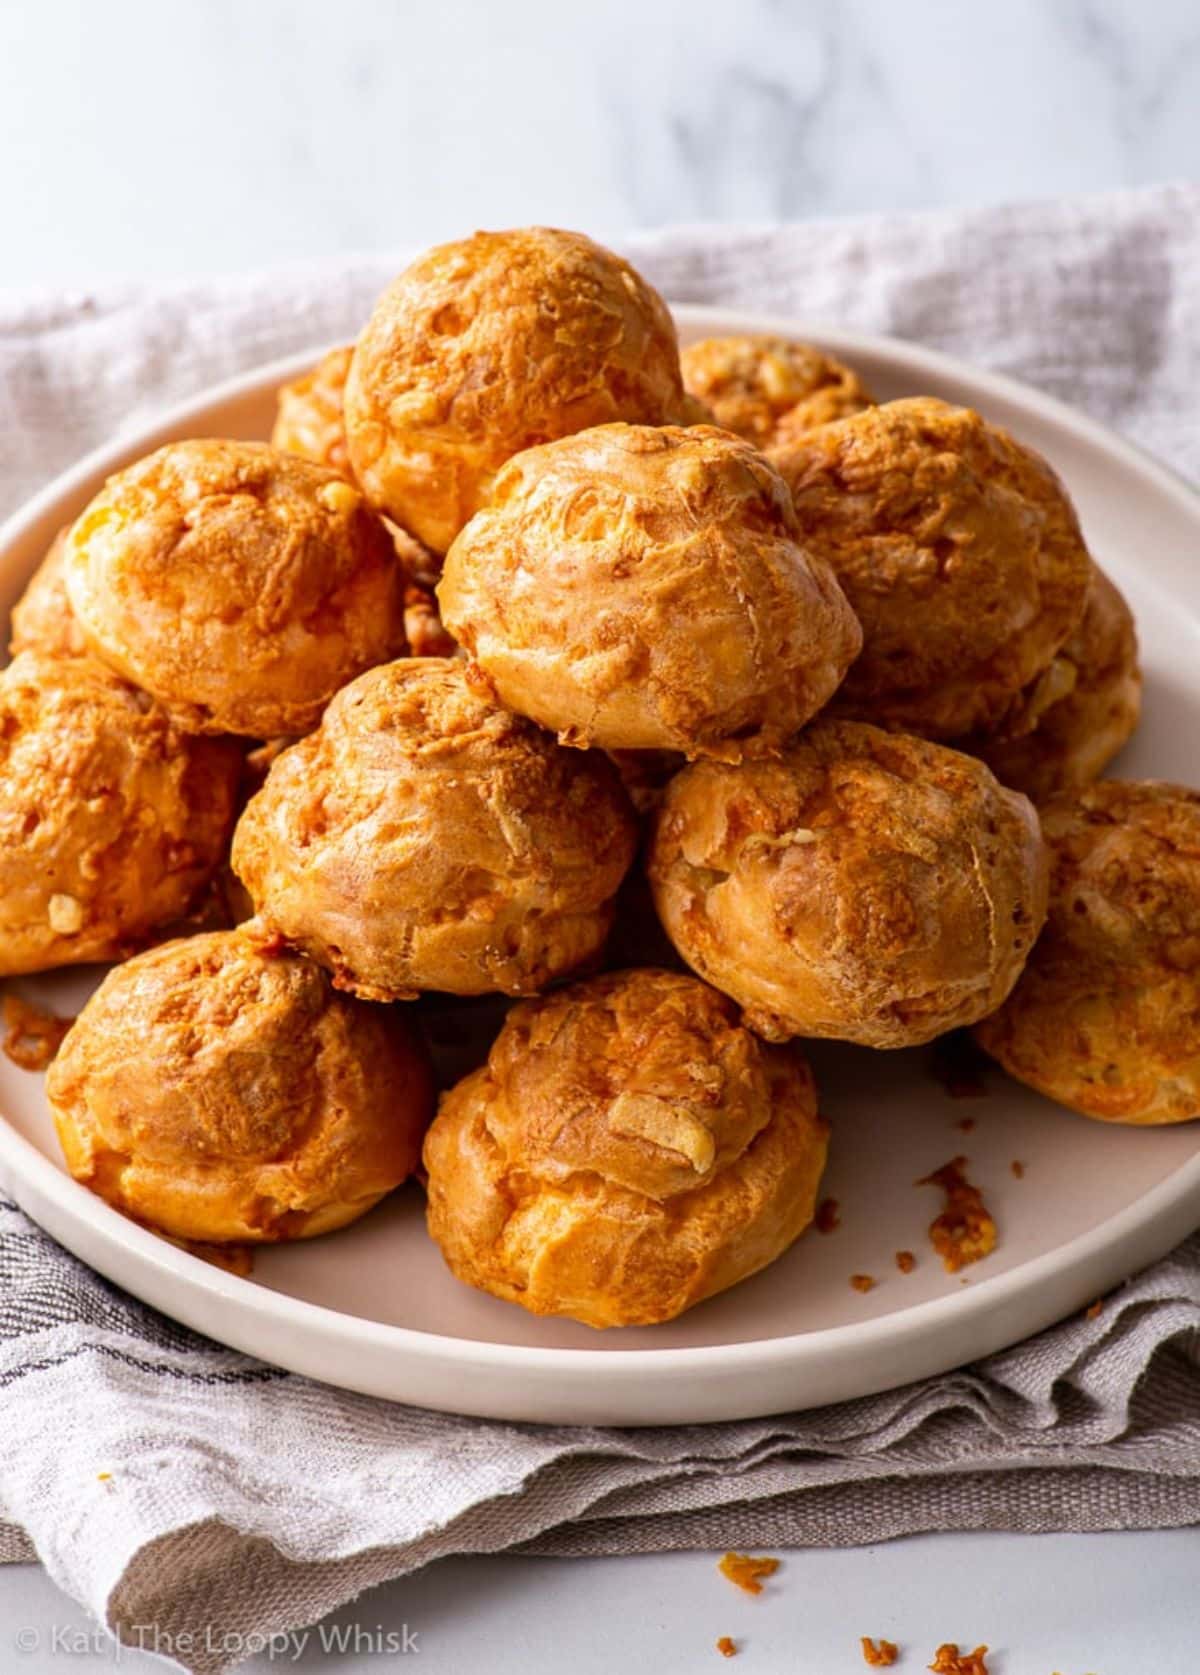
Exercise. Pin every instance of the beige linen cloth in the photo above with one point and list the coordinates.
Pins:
(246, 1498)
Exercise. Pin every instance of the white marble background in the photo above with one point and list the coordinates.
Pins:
(162, 137)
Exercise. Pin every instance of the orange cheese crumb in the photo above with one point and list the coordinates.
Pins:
(965, 1231)
(879, 1654)
(862, 1282)
(1018, 1168)
(1094, 1308)
(32, 1036)
(905, 1261)
(828, 1215)
(948, 1660)
(726, 1647)
(746, 1572)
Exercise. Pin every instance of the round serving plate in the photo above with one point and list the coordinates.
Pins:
(373, 1309)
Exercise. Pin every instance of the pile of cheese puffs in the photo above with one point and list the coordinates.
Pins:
(695, 701)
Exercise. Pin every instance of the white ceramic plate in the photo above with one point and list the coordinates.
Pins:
(373, 1309)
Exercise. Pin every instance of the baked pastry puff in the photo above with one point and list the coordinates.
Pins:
(1076, 716)
(644, 588)
(240, 586)
(867, 886)
(769, 389)
(957, 547)
(425, 838)
(219, 1091)
(627, 1150)
(488, 345)
(42, 619)
(112, 820)
(1104, 1017)
(310, 418)
(310, 421)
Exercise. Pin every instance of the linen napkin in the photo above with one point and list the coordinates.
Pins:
(165, 1480)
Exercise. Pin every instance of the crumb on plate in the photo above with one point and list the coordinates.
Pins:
(32, 1035)
(747, 1572)
(1018, 1168)
(862, 1282)
(880, 1654)
(905, 1261)
(726, 1647)
(965, 1231)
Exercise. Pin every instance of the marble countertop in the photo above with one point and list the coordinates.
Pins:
(147, 140)
(1115, 1604)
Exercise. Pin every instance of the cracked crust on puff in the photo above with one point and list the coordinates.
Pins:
(220, 1092)
(1104, 1018)
(425, 838)
(488, 346)
(868, 886)
(958, 549)
(769, 389)
(112, 820)
(1067, 727)
(645, 589)
(239, 585)
(628, 1150)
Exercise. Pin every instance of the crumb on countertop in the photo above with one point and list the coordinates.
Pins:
(880, 1654)
(828, 1216)
(948, 1660)
(747, 1572)
(905, 1261)
(965, 1231)
(726, 1647)
(32, 1036)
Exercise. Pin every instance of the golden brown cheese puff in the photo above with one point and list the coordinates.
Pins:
(240, 586)
(217, 1091)
(486, 346)
(310, 421)
(111, 819)
(957, 547)
(424, 838)
(868, 886)
(1104, 1016)
(769, 389)
(309, 417)
(42, 619)
(628, 1150)
(644, 589)
(1076, 716)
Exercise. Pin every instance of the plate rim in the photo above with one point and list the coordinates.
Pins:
(1132, 1237)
